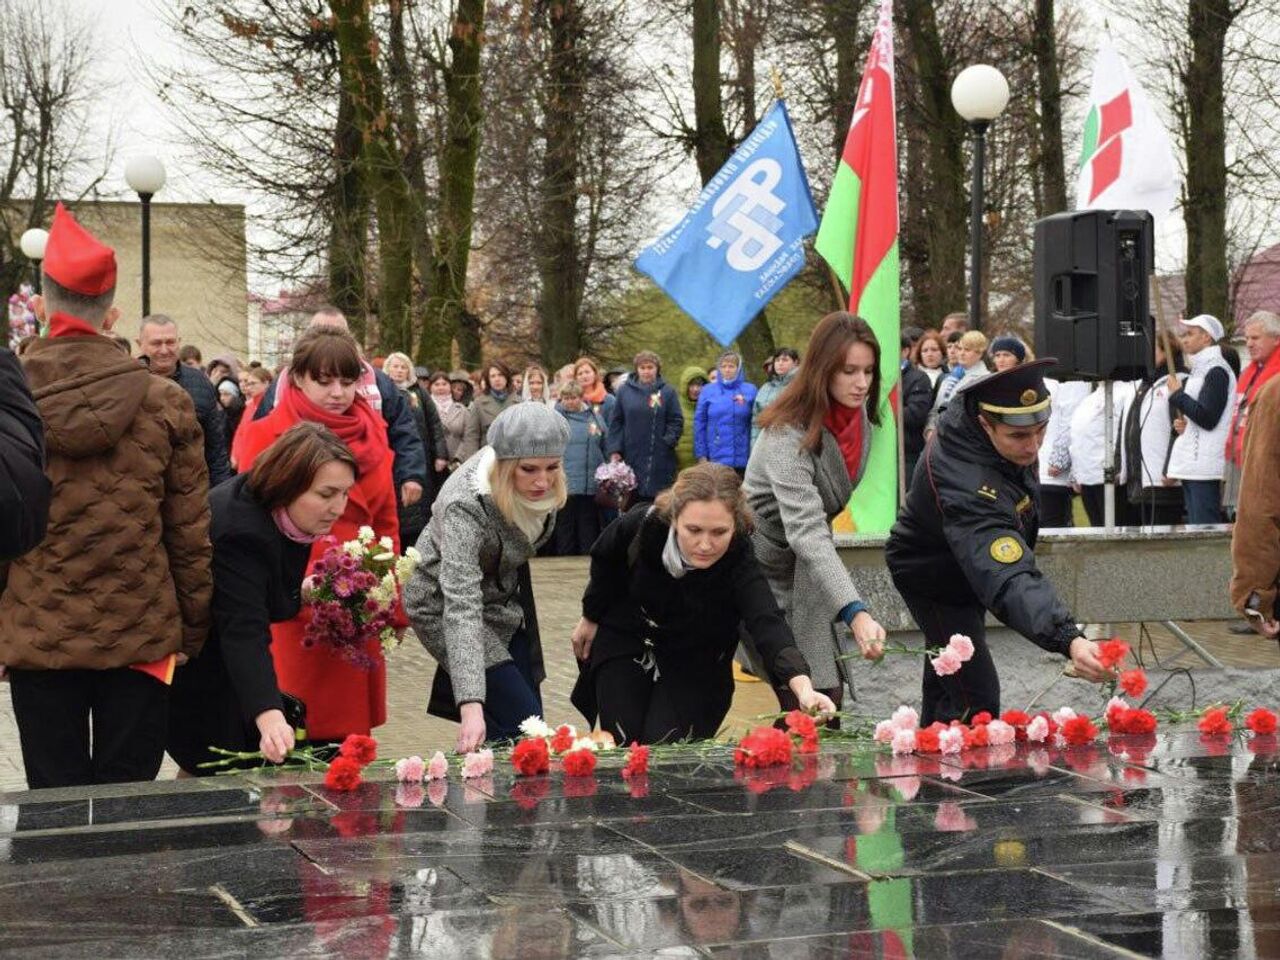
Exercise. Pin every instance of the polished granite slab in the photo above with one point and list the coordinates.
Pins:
(1160, 846)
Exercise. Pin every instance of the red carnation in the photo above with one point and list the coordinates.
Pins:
(363, 750)
(1261, 721)
(1215, 721)
(1134, 682)
(527, 793)
(578, 763)
(1016, 718)
(809, 745)
(562, 740)
(1078, 731)
(975, 736)
(637, 761)
(1139, 722)
(801, 724)
(763, 747)
(1111, 653)
(981, 719)
(530, 757)
(927, 740)
(343, 774)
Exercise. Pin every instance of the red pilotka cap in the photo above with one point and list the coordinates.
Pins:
(75, 259)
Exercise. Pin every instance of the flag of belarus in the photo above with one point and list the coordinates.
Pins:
(859, 238)
(1127, 159)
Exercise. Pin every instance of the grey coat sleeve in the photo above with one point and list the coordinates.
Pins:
(460, 584)
(790, 471)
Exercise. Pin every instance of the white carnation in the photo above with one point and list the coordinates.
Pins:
(535, 727)
(585, 743)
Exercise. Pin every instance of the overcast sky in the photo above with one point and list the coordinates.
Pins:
(133, 33)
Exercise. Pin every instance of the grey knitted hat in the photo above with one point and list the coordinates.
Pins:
(528, 430)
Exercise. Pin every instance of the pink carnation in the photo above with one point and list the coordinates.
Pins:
(961, 646)
(904, 718)
(904, 741)
(1116, 703)
(907, 787)
(951, 740)
(1063, 715)
(999, 732)
(438, 768)
(884, 731)
(1037, 730)
(410, 770)
(478, 763)
(946, 663)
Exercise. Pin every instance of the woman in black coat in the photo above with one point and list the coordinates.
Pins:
(670, 586)
(262, 527)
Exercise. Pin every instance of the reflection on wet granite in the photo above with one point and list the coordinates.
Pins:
(1159, 846)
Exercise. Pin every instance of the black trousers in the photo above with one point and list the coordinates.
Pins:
(577, 525)
(1094, 497)
(681, 703)
(1055, 506)
(976, 687)
(128, 712)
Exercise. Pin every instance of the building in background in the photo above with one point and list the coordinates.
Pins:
(198, 267)
(275, 322)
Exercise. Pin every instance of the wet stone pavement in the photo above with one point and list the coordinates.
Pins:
(1162, 846)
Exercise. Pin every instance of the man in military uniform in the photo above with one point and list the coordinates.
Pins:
(963, 544)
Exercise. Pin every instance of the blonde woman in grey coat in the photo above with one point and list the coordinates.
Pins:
(469, 598)
(809, 457)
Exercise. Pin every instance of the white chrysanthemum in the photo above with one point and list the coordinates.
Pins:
(365, 534)
(353, 548)
(386, 543)
(385, 592)
(412, 553)
(535, 727)
(404, 569)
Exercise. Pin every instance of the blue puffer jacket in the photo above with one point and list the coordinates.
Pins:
(644, 427)
(585, 450)
(722, 422)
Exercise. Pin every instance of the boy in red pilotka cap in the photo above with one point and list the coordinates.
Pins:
(93, 620)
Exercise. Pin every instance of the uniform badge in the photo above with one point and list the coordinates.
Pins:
(1029, 397)
(988, 491)
(1006, 550)
(1023, 505)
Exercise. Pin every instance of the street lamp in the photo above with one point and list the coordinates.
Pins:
(145, 176)
(979, 94)
(33, 243)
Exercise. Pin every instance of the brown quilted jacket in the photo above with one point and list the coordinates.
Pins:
(1255, 542)
(123, 574)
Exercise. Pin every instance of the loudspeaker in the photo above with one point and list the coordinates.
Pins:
(1092, 283)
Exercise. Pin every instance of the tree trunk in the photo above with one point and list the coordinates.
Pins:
(945, 197)
(1051, 168)
(349, 230)
(402, 83)
(362, 79)
(841, 19)
(712, 147)
(446, 314)
(1206, 149)
(558, 262)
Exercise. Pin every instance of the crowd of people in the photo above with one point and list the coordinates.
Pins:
(159, 518)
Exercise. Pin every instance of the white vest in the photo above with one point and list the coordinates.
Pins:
(1066, 397)
(1153, 421)
(1088, 435)
(1200, 454)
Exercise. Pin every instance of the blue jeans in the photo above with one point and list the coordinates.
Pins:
(511, 696)
(1203, 499)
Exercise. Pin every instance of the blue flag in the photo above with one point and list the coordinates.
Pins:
(743, 238)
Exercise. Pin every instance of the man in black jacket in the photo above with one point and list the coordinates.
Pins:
(963, 544)
(159, 342)
(409, 468)
(24, 489)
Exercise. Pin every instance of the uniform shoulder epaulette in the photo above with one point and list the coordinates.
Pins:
(989, 492)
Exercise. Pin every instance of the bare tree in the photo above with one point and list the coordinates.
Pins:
(46, 96)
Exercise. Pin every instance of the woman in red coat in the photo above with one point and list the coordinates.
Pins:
(320, 386)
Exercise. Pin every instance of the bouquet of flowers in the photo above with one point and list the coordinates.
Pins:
(616, 482)
(22, 318)
(352, 592)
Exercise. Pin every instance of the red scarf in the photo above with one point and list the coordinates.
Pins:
(845, 424)
(596, 394)
(65, 325)
(359, 427)
(1251, 381)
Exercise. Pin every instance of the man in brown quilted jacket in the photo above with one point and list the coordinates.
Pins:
(94, 619)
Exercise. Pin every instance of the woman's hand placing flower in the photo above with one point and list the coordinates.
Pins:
(869, 635)
(817, 702)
